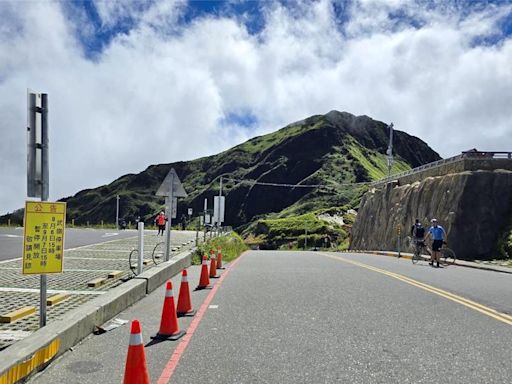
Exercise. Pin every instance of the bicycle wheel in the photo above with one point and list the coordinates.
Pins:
(158, 253)
(415, 257)
(447, 256)
(132, 260)
(410, 244)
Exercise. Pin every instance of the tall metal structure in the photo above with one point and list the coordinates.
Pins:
(38, 184)
(389, 152)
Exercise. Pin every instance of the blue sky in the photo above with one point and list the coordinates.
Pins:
(177, 80)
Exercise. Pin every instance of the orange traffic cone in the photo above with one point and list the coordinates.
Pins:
(219, 258)
(136, 371)
(184, 303)
(204, 280)
(169, 328)
(213, 265)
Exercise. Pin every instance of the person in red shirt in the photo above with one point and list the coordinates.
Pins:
(160, 222)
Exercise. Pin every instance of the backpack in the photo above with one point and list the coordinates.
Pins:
(419, 232)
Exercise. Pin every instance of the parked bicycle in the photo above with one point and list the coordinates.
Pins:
(133, 260)
(158, 254)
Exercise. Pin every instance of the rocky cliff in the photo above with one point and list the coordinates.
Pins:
(475, 207)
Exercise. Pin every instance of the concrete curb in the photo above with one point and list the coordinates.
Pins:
(24, 358)
(460, 263)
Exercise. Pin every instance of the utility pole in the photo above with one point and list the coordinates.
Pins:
(390, 149)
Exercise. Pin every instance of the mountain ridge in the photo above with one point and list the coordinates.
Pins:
(329, 149)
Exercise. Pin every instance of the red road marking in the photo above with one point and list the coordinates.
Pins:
(171, 365)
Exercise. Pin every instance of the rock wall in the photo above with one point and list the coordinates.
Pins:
(475, 207)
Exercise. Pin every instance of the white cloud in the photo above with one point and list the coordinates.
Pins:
(161, 92)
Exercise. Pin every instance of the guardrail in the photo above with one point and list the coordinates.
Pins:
(478, 155)
(421, 168)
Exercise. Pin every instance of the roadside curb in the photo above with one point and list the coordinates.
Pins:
(36, 351)
(460, 263)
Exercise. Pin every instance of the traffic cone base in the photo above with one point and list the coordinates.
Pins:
(172, 337)
(187, 314)
(199, 288)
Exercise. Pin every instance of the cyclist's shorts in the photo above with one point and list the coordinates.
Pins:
(420, 243)
(436, 245)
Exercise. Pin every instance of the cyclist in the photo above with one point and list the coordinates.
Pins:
(418, 235)
(438, 235)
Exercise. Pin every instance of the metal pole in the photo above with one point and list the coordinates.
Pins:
(169, 202)
(204, 217)
(218, 217)
(390, 149)
(117, 212)
(197, 232)
(306, 239)
(45, 193)
(398, 242)
(32, 187)
(140, 259)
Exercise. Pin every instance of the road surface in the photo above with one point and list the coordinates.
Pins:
(315, 317)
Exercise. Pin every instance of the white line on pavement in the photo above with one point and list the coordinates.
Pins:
(36, 290)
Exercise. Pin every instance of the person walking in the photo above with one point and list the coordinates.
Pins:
(438, 235)
(160, 222)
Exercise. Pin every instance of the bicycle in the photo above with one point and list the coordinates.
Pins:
(448, 256)
(132, 260)
(158, 253)
(420, 248)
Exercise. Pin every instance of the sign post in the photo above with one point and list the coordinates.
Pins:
(38, 183)
(171, 188)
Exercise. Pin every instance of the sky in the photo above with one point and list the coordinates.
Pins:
(135, 83)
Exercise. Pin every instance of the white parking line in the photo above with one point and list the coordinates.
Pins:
(65, 269)
(34, 290)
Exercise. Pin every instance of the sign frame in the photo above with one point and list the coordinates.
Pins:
(43, 235)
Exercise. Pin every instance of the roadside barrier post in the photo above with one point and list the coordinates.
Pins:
(141, 248)
(398, 241)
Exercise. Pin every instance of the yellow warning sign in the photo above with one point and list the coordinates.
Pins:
(43, 243)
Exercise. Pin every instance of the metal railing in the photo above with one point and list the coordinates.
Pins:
(421, 168)
(479, 155)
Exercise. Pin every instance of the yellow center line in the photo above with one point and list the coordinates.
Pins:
(503, 317)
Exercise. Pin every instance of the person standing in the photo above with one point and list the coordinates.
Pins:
(438, 235)
(160, 222)
(418, 236)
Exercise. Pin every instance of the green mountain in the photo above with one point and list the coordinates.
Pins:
(330, 150)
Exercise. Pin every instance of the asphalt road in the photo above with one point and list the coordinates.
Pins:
(11, 239)
(314, 317)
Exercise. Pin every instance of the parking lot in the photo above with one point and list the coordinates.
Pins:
(89, 271)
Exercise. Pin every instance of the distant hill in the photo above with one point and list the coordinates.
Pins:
(329, 150)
